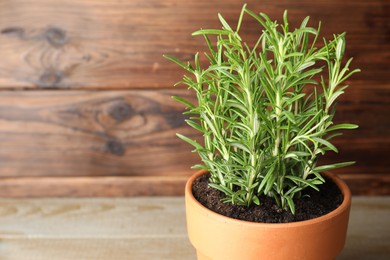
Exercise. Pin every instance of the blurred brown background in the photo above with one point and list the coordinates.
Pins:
(85, 107)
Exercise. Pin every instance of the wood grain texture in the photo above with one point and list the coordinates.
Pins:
(142, 228)
(138, 248)
(63, 134)
(92, 218)
(110, 133)
(85, 91)
(32, 187)
(38, 187)
(154, 248)
(367, 184)
(145, 228)
(119, 44)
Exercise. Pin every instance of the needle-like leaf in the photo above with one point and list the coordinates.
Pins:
(265, 111)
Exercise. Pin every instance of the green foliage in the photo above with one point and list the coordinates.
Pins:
(266, 111)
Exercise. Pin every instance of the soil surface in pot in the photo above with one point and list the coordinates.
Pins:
(314, 205)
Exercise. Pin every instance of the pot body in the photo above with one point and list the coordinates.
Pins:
(217, 237)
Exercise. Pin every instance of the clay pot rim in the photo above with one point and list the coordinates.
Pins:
(327, 217)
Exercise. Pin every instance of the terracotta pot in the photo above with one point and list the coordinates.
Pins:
(218, 237)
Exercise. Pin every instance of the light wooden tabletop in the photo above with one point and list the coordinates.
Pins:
(144, 228)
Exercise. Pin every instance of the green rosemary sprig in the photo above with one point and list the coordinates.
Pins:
(266, 112)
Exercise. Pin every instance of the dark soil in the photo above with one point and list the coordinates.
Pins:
(314, 205)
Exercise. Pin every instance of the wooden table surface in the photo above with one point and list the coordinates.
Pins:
(144, 228)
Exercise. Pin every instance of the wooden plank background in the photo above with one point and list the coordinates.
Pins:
(85, 106)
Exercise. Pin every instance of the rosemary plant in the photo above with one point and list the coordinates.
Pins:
(266, 112)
